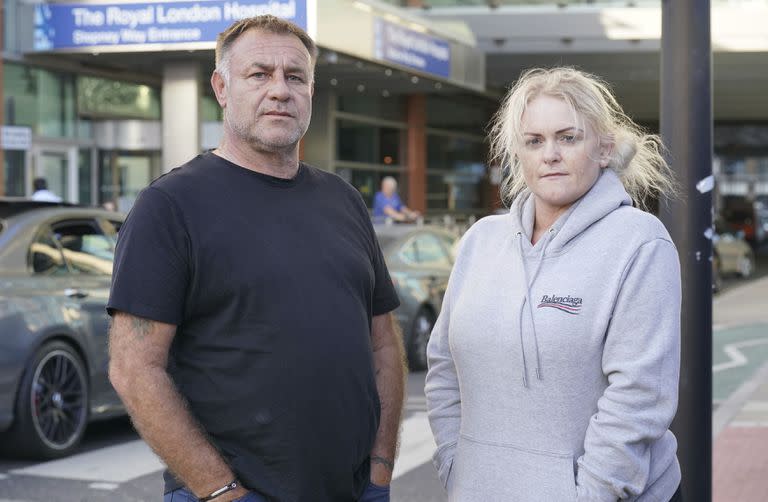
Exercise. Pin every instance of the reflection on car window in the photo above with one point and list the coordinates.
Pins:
(450, 243)
(408, 253)
(425, 250)
(46, 258)
(86, 249)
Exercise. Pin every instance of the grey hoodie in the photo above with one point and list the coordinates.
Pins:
(553, 368)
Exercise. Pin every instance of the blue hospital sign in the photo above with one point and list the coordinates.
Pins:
(73, 26)
(411, 48)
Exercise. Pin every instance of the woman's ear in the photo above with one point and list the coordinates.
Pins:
(606, 147)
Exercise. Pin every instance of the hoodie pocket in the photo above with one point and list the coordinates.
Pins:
(491, 471)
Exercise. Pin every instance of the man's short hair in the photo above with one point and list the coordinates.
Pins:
(389, 180)
(39, 184)
(268, 23)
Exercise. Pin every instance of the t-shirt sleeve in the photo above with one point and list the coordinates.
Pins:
(384, 295)
(151, 270)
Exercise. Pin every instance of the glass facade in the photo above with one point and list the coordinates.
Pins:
(455, 169)
(61, 109)
(122, 175)
(41, 99)
(456, 152)
(370, 141)
(99, 97)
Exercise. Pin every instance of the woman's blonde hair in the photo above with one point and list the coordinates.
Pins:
(635, 156)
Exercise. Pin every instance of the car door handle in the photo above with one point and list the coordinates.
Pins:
(75, 293)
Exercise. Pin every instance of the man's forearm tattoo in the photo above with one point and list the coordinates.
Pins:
(389, 464)
(141, 326)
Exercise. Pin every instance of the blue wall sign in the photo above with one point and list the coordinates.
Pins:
(73, 26)
(411, 48)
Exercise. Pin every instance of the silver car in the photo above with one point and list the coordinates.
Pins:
(419, 259)
(55, 272)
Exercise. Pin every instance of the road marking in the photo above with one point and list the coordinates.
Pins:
(107, 467)
(136, 459)
(417, 444)
(733, 405)
(104, 486)
(737, 358)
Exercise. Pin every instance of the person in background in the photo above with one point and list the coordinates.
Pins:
(252, 338)
(554, 363)
(41, 192)
(387, 204)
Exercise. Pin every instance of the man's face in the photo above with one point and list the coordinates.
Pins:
(388, 187)
(268, 100)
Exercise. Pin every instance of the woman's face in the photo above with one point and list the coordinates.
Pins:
(561, 155)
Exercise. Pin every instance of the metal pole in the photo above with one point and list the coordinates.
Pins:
(2, 98)
(686, 128)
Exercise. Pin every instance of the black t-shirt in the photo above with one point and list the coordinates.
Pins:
(272, 284)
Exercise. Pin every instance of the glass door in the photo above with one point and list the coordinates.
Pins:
(58, 166)
(122, 175)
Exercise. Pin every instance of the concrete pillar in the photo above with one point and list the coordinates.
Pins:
(416, 167)
(180, 113)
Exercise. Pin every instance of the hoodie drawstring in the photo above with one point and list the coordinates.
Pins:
(528, 285)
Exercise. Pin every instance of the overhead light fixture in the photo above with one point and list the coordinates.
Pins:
(438, 85)
(360, 88)
(331, 57)
(385, 93)
(415, 79)
(388, 72)
(418, 27)
(362, 6)
(334, 81)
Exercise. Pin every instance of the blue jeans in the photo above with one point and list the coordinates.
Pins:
(372, 493)
(375, 493)
(184, 495)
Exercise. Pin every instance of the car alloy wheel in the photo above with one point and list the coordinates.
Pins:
(57, 399)
(420, 333)
(52, 405)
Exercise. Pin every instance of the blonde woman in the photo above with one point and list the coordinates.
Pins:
(554, 364)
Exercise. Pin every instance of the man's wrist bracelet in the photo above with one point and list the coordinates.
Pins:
(221, 491)
(375, 459)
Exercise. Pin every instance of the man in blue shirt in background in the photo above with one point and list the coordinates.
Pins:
(387, 204)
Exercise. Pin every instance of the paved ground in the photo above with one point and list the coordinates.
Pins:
(740, 392)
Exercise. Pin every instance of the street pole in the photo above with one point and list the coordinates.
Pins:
(686, 128)
(2, 99)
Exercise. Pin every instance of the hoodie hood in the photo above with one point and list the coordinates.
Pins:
(605, 196)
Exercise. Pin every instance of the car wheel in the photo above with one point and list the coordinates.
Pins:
(746, 266)
(51, 406)
(420, 332)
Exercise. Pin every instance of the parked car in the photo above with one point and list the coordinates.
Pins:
(55, 272)
(733, 255)
(419, 258)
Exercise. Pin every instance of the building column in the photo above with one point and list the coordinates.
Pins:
(180, 113)
(416, 167)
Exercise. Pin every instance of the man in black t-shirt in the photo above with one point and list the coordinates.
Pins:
(252, 339)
